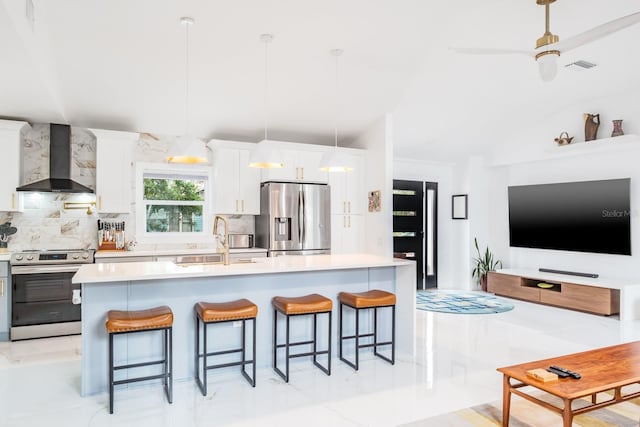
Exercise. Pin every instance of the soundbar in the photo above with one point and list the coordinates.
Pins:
(570, 273)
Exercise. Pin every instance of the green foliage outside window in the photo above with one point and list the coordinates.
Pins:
(173, 217)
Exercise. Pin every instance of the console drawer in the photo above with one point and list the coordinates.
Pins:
(584, 298)
(511, 286)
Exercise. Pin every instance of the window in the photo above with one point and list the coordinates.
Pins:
(172, 202)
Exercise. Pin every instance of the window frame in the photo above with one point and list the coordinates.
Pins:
(142, 235)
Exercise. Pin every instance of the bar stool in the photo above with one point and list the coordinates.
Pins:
(129, 322)
(313, 304)
(373, 299)
(222, 312)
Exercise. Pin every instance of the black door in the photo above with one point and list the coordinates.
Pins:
(408, 223)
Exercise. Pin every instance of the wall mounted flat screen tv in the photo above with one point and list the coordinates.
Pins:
(589, 216)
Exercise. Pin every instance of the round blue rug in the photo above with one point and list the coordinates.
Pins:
(461, 302)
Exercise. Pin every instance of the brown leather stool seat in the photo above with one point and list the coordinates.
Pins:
(312, 305)
(208, 313)
(128, 322)
(370, 300)
(307, 304)
(224, 311)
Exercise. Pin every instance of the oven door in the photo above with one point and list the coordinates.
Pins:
(42, 295)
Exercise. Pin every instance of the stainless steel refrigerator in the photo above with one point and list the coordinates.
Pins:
(295, 219)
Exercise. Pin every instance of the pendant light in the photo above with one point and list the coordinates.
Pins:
(334, 160)
(265, 155)
(186, 148)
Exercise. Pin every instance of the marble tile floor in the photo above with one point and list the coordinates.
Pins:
(454, 368)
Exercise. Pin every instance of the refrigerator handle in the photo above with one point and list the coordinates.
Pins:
(303, 224)
(300, 216)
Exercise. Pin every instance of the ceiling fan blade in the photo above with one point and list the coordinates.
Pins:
(595, 33)
(491, 51)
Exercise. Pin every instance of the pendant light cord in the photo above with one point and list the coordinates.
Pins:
(186, 78)
(266, 87)
(337, 105)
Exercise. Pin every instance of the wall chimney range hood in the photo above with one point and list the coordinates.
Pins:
(59, 180)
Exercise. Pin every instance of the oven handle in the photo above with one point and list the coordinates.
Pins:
(69, 268)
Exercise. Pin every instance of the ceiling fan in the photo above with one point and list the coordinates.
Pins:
(549, 47)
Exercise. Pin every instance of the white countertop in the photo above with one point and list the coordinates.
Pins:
(136, 271)
(167, 252)
(600, 282)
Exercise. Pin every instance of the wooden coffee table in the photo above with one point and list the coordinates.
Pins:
(608, 368)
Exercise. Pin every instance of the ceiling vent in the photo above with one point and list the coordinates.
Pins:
(580, 65)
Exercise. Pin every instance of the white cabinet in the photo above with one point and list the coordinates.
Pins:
(236, 185)
(299, 166)
(114, 155)
(347, 234)
(348, 195)
(4, 301)
(10, 199)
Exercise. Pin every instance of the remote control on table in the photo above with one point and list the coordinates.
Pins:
(558, 373)
(565, 371)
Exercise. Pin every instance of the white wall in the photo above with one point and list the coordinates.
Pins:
(532, 153)
(378, 141)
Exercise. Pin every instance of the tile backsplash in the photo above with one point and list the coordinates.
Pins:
(45, 224)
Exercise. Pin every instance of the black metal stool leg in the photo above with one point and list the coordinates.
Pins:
(170, 355)
(393, 335)
(329, 345)
(357, 334)
(111, 373)
(253, 354)
(287, 351)
(315, 338)
(340, 332)
(204, 358)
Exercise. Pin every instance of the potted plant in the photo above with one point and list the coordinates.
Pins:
(484, 263)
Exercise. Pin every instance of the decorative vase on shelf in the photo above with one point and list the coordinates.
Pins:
(617, 128)
(591, 124)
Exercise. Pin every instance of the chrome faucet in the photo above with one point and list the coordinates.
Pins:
(225, 240)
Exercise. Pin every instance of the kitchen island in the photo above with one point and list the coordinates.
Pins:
(140, 285)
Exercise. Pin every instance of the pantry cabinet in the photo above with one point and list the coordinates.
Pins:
(300, 165)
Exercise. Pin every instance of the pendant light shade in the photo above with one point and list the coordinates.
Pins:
(187, 149)
(335, 160)
(266, 155)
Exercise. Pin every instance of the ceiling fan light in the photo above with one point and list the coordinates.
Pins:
(548, 64)
(334, 161)
(266, 156)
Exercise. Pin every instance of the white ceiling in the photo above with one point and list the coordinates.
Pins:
(119, 64)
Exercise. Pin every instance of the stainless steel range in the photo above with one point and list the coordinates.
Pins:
(43, 303)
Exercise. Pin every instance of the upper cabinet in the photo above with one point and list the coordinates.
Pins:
(301, 164)
(236, 185)
(348, 195)
(10, 199)
(114, 155)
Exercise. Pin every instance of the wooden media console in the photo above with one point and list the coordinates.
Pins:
(592, 298)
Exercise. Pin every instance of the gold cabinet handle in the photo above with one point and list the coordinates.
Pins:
(242, 205)
(302, 173)
(236, 205)
(100, 202)
(349, 221)
(344, 222)
(344, 207)
(13, 200)
(349, 205)
(3, 284)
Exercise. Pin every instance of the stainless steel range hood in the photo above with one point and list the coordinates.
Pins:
(59, 180)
